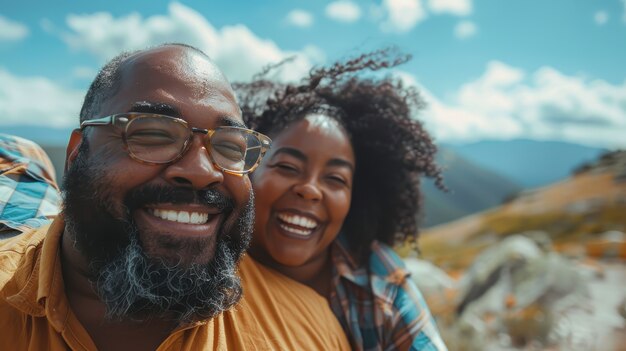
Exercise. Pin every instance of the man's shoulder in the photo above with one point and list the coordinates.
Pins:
(19, 251)
(19, 244)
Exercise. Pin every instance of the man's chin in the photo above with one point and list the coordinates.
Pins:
(174, 250)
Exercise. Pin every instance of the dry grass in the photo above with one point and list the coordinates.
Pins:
(565, 230)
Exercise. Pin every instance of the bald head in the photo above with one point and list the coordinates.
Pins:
(131, 69)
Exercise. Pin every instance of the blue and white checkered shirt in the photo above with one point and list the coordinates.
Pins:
(29, 196)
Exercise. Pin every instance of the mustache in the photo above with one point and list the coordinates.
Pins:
(153, 194)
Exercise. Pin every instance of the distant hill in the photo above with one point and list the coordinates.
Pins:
(528, 163)
(574, 211)
(472, 189)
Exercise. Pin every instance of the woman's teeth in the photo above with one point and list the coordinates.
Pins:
(180, 216)
(298, 220)
(305, 226)
(296, 231)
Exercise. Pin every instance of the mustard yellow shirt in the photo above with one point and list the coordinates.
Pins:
(276, 313)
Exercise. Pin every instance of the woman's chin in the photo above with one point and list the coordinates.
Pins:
(291, 258)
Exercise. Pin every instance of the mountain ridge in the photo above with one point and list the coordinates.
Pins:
(529, 163)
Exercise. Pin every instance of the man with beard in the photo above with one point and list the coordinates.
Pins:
(157, 213)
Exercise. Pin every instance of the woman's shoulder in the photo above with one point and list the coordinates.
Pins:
(382, 273)
(386, 266)
(382, 264)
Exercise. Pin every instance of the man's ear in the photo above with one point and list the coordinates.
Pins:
(72, 148)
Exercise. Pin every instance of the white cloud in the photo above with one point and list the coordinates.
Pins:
(401, 15)
(499, 74)
(601, 17)
(454, 7)
(237, 50)
(37, 101)
(343, 11)
(299, 18)
(505, 102)
(11, 30)
(82, 72)
(465, 29)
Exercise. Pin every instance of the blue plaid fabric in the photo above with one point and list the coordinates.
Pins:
(379, 306)
(29, 196)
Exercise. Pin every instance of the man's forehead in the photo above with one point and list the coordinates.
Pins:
(174, 75)
(184, 62)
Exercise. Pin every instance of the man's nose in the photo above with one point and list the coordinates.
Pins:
(195, 169)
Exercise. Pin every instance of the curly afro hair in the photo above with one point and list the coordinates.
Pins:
(391, 147)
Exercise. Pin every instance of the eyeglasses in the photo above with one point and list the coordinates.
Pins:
(158, 139)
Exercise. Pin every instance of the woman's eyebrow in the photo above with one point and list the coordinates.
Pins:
(335, 162)
(338, 162)
(291, 152)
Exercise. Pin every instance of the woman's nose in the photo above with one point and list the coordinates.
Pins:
(308, 191)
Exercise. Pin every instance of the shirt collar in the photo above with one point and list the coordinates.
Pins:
(383, 274)
(42, 293)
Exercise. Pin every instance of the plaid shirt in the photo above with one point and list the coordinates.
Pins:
(29, 195)
(379, 306)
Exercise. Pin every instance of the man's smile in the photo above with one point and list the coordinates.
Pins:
(177, 219)
(180, 216)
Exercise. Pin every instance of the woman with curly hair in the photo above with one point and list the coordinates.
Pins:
(338, 188)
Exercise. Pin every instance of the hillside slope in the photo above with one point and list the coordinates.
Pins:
(575, 210)
(472, 189)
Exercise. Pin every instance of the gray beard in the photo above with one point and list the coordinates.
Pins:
(136, 287)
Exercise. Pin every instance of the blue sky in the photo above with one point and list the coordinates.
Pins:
(546, 70)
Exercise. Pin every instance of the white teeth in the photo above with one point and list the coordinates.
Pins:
(183, 217)
(296, 231)
(180, 216)
(195, 217)
(298, 220)
(172, 216)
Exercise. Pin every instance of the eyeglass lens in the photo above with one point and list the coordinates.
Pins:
(161, 140)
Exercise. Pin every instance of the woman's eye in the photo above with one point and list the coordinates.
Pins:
(286, 167)
(338, 179)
